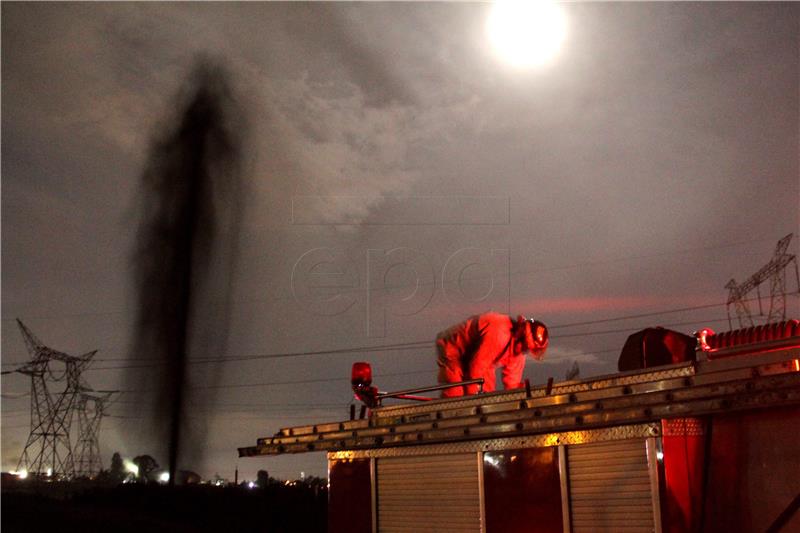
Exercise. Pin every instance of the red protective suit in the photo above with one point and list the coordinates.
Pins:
(474, 349)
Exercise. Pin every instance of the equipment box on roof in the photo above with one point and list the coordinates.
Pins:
(698, 446)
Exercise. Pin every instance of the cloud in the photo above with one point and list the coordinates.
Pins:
(341, 146)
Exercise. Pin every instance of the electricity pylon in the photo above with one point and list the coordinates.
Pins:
(48, 450)
(775, 271)
(91, 408)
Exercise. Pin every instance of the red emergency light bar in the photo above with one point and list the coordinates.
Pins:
(361, 380)
(361, 375)
(781, 335)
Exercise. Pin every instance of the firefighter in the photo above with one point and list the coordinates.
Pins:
(476, 347)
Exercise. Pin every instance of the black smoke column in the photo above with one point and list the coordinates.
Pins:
(191, 187)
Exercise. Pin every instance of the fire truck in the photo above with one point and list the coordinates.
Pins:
(706, 444)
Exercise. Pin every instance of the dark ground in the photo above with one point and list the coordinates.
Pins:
(64, 508)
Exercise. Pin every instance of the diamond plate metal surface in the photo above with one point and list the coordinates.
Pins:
(532, 441)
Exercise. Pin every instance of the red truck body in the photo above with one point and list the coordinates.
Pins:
(706, 445)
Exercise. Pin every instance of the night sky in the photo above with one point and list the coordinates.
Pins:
(399, 176)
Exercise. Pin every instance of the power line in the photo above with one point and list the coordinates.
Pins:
(390, 347)
(247, 357)
(294, 382)
(330, 380)
(326, 380)
(143, 417)
(358, 289)
(374, 348)
(626, 330)
(404, 345)
(246, 407)
(268, 406)
(639, 315)
(412, 344)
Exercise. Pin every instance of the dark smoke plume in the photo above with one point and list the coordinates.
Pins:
(184, 253)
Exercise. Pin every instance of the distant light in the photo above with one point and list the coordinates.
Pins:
(22, 474)
(659, 455)
(251, 485)
(164, 477)
(703, 336)
(494, 461)
(131, 467)
(49, 472)
(526, 33)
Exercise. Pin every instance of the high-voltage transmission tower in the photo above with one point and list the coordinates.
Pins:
(48, 450)
(91, 407)
(775, 272)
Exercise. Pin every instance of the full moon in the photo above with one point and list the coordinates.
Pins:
(526, 33)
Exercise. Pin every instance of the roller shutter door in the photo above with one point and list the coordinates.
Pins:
(609, 487)
(429, 493)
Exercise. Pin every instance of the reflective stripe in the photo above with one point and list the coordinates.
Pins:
(428, 493)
